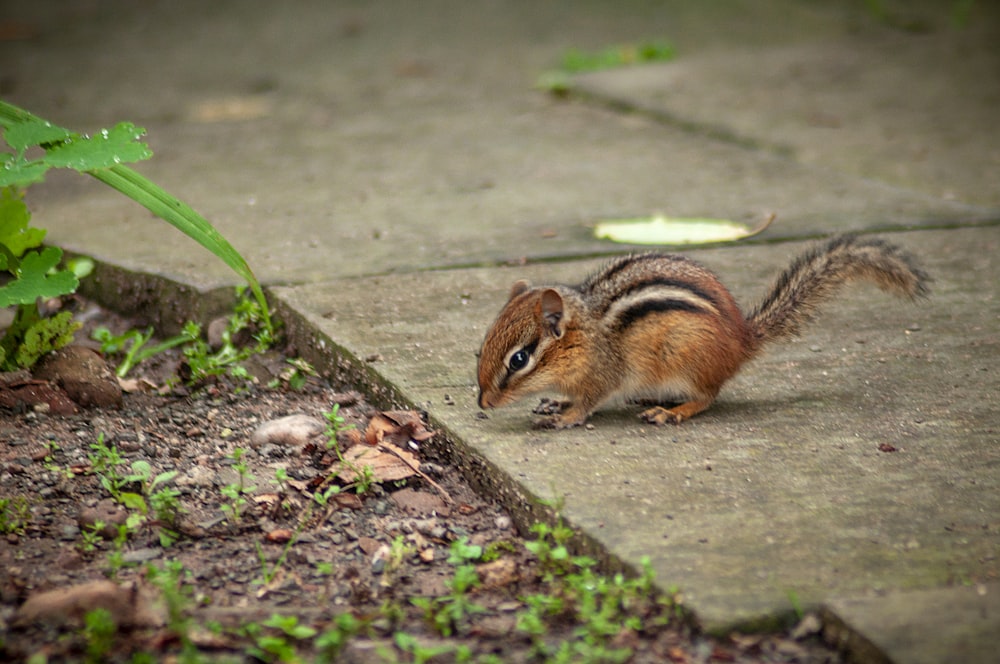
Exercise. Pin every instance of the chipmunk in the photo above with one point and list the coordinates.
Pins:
(662, 326)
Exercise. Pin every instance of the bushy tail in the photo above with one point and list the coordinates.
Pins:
(817, 274)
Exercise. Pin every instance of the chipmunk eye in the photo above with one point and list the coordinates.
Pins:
(518, 360)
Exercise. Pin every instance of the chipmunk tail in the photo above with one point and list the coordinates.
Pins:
(817, 274)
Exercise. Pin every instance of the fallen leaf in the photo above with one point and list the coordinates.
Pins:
(349, 500)
(386, 462)
(397, 427)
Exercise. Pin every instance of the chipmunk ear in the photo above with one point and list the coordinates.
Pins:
(552, 312)
(521, 286)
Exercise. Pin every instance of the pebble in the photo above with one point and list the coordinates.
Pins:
(293, 430)
(137, 556)
(502, 522)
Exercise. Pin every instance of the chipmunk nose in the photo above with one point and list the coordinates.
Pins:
(483, 402)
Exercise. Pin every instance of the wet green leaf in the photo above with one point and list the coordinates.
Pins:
(108, 147)
(34, 280)
(673, 230)
(14, 218)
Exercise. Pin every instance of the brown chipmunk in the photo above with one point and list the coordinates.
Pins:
(662, 326)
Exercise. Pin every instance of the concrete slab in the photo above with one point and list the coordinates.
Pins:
(779, 494)
(969, 634)
(916, 109)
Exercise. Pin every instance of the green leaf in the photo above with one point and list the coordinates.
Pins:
(117, 145)
(32, 131)
(14, 218)
(34, 280)
(17, 172)
(184, 218)
(133, 501)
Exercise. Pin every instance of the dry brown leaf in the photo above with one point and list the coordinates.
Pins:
(388, 463)
(348, 500)
(397, 427)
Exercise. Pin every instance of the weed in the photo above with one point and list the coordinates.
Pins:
(280, 646)
(116, 557)
(247, 316)
(132, 345)
(15, 515)
(99, 630)
(335, 425)
(297, 374)
(176, 594)
(236, 492)
(29, 275)
(450, 612)
(421, 653)
(331, 642)
(91, 537)
(104, 463)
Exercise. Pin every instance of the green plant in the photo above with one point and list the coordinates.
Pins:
(576, 61)
(449, 612)
(176, 594)
(91, 537)
(32, 277)
(103, 156)
(104, 463)
(247, 316)
(99, 630)
(15, 515)
(599, 606)
(418, 652)
(236, 492)
(269, 646)
(116, 557)
(132, 346)
(336, 423)
(332, 641)
(297, 373)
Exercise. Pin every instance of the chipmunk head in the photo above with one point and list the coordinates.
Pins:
(529, 324)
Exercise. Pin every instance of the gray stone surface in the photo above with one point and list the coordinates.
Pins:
(376, 162)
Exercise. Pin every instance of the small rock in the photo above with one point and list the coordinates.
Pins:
(502, 522)
(83, 375)
(419, 502)
(128, 605)
(105, 511)
(137, 556)
(197, 476)
(293, 430)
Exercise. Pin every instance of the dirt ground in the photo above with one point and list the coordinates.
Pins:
(274, 548)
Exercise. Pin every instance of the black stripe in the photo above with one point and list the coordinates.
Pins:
(613, 268)
(662, 281)
(638, 311)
